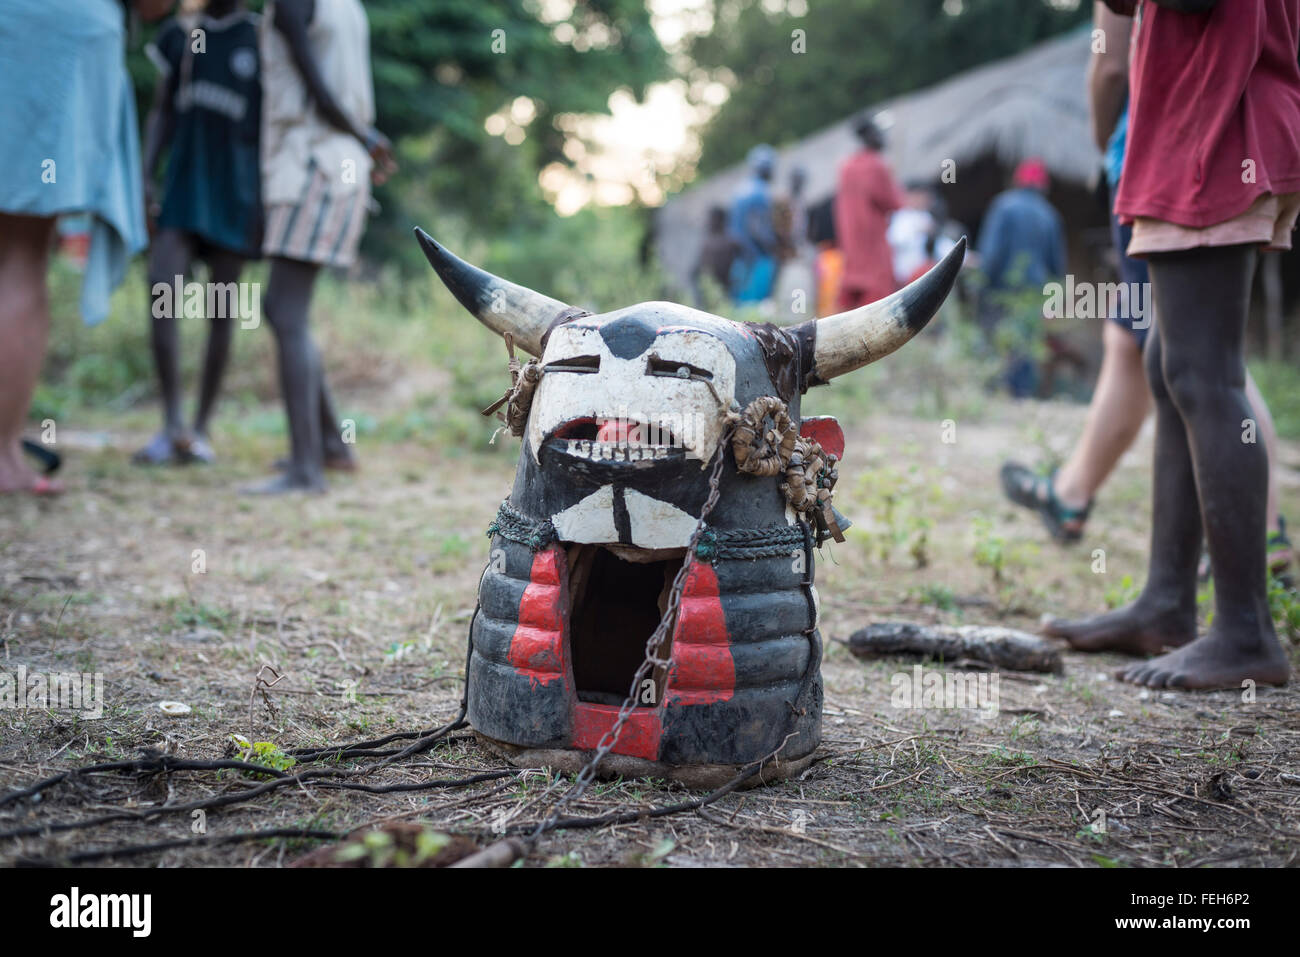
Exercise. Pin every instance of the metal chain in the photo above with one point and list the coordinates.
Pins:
(652, 659)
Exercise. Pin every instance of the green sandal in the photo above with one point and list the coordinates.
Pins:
(1037, 492)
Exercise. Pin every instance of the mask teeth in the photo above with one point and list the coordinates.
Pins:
(614, 452)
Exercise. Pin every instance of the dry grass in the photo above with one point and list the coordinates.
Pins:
(361, 599)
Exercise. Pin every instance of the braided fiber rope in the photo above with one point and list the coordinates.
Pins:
(516, 527)
(714, 545)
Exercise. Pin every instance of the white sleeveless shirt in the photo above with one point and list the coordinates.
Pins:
(294, 132)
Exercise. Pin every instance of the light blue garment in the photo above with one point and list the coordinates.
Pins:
(68, 133)
(1114, 158)
(749, 220)
(751, 280)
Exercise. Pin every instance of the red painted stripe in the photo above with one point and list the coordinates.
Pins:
(639, 737)
(537, 646)
(703, 670)
(535, 650)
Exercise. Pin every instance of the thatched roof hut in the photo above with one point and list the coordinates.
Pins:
(984, 121)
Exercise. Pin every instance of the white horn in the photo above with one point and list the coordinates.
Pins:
(849, 340)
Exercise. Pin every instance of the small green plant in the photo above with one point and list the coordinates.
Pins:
(570, 859)
(990, 549)
(1125, 593)
(381, 849)
(940, 596)
(1284, 602)
(897, 504)
(1205, 603)
(655, 856)
(265, 753)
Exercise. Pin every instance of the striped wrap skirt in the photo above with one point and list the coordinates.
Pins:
(323, 226)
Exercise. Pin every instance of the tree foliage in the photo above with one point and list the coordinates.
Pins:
(442, 67)
(855, 53)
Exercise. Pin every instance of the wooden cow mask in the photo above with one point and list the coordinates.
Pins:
(618, 448)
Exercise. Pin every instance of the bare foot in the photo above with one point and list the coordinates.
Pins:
(282, 484)
(16, 476)
(40, 486)
(1214, 661)
(1135, 630)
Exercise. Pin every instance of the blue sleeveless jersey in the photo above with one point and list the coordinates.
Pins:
(212, 187)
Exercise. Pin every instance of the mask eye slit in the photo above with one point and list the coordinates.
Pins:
(574, 364)
(677, 370)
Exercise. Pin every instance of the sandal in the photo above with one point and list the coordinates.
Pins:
(197, 450)
(50, 460)
(161, 450)
(1038, 493)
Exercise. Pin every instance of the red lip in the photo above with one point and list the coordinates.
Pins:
(615, 432)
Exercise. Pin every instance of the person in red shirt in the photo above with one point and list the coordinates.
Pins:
(1211, 175)
(866, 197)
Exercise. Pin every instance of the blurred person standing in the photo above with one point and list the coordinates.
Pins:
(865, 198)
(717, 254)
(207, 114)
(916, 235)
(68, 144)
(750, 226)
(828, 261)
(795, 291)
(1211, 176)
(1022, 247)
(1122, 398)
(320, 153)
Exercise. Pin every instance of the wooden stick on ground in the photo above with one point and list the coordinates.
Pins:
(989, 645)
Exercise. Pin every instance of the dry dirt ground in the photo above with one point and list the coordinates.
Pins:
(360, 599)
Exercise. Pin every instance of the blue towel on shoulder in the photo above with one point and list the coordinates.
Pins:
(68, 133)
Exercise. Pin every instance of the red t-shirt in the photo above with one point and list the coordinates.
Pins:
(1214, 110)
(867, 194)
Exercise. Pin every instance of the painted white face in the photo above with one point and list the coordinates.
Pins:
(674, 394)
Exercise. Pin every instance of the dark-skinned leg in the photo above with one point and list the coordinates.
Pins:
(224, 267)
(287, 305)
(338, 454)
(1202, 301)
(1164, 615)
(170, 255)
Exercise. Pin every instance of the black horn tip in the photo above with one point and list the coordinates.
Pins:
(429, 245)
(467, 283)
(923, 297)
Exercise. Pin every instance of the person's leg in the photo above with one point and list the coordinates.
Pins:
(170, 256)
(24, 333)
(287, 305)
(1203, 298)
(1164, 615)
(1119, 407)
(224, 267)
(338, 454)
(1268, 437)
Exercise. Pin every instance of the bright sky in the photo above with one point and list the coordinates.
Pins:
(618, 157)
